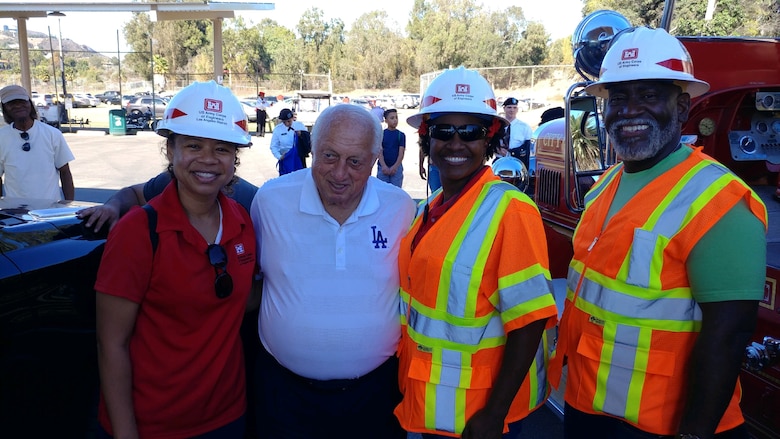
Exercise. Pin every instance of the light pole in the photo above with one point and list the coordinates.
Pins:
(53, 68)
(59, 14)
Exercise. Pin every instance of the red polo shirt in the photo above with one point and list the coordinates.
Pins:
(186, 354)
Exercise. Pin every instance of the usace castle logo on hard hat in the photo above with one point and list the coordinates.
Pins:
(630, 54)
(463, 88)
(212, 105)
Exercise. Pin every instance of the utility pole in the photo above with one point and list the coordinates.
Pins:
(62, 64)
(53, 68)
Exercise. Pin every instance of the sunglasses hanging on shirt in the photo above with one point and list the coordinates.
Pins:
(26, 137)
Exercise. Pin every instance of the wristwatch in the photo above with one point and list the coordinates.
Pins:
(687, 436)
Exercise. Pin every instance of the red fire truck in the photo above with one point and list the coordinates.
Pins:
(737, 122)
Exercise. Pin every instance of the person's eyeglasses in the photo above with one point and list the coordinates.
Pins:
(467, 133)
(26, 137)
(223, 283)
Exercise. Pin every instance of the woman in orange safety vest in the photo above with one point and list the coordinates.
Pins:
(475, 284)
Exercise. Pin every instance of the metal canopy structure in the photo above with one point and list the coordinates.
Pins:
(215, 11)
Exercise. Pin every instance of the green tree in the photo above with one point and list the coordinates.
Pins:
(322, 41)
(372, 53)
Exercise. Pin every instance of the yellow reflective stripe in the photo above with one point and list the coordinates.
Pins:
(430, 391)
(602, 183)
(659, 324)
(601, 296)
(403, 305)
(525, 307)
(490, 340)
(445, 405)
(535, 284)
(455, 253)
(636, 387)
(603, 370)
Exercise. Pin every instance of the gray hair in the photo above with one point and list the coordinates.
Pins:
(353, 113)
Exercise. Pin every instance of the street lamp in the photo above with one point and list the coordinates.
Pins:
(59, 14)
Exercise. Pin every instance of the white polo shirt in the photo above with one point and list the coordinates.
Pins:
(330, 292)
(519, 132)
(33, 173)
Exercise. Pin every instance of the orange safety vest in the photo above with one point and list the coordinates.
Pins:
(630, 320)
(479, 272)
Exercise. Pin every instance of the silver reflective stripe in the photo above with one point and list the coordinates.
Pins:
(674, 309)
(525, 291)
(465, 269)
(640, 258)
(540, 373)
(572, 278)
(446, 394)
(621, 370)
(643, 253)
(403, 306)
(671, 219)
(604, 181)
(464, 335)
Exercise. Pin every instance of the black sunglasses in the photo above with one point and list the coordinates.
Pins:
(25, 137)
(223, 283)
(467, 133)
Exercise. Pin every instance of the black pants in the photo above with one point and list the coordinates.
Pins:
(579, 425)
(293, 407)
(261, 116)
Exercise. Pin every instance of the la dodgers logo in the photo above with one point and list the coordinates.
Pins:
(378, 238)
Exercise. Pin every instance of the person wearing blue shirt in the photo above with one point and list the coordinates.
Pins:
(389, 166)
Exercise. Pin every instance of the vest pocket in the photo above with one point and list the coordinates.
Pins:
(450, 375)
(610, 370)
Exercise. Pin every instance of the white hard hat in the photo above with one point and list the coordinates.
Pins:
(642, 53)
(208, 110)
(457, 91)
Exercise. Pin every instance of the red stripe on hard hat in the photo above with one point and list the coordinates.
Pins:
(176, 113)
(491, 103)
(677, 65)
(429, 100)
(242, 124)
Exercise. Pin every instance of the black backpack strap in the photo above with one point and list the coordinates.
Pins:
(151, 215)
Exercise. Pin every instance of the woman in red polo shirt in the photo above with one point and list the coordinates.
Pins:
(170, 300)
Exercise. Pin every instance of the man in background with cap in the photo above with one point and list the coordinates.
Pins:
(33, 155)
(668, 267)
(282, 136)
(517, 140)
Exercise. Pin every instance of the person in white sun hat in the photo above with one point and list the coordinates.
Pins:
(174, 282)
(662, 295)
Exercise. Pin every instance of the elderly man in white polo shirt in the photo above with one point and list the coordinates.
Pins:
(328, 241)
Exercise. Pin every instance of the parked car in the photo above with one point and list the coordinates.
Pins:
(406, 101)
(110, 97)
(85, 100)
(308, 104)
(142, 103)
(41, 100)
(126, 99)
(48, 359)
(249, 109)
(361, 102)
